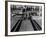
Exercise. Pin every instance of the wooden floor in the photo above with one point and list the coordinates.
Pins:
(26, 26)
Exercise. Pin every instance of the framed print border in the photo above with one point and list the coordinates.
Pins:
(6, 18)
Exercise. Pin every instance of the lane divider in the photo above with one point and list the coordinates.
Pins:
(38, 26)
(14, 26)
(19, 25)
(33, 25)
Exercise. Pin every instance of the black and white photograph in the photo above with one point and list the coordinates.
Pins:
(25, 18)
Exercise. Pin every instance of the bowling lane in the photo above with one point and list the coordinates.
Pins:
(26, 26)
